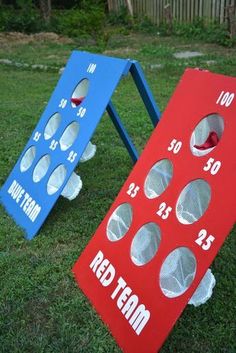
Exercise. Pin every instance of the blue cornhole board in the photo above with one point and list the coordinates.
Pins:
(28, 202)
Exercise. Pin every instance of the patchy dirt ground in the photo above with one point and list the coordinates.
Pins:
(23, 38)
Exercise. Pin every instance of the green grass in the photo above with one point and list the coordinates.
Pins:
(41, 307)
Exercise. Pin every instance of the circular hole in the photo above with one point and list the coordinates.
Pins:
(88, 153)
(119, 222)
(158, 178)
(56, 179)
(145, 244)
(69, 135)
(80, 92)
(193, 201)
(206, 135)
(177, 272)
(41, 168)
(72, 187)
(27, 159)
(52, 126)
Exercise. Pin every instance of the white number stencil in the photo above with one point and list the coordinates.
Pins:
(175, 146)
(82, 111)
(133, 190)
(72, 156)
(37, 136)
(63, 103)
(53, 145)
(204, 240)
(225, 99)
(164, 210)
(91, 68)
(212, 166)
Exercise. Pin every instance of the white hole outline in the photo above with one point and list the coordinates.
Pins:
(69, 135)
(116, 227)
(152, 237)
(80, 90)
(52, 126)
(41, 168)
(179, 209)
(172, 263)
(27, 159)
(216, 123)
(155, 180)
(52, 186)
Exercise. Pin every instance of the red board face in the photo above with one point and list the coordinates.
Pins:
(168, 222)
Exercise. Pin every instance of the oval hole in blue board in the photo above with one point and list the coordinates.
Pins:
(79, 93)
(56, 179)
(41, 168)
(52, 126)
(69, 136)
(27, 159)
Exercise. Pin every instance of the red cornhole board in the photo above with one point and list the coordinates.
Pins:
(133, 298)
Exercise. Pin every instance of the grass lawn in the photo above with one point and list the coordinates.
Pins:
(41, 307)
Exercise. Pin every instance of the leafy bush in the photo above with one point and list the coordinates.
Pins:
(144, 24)
(86, 20)
(216, 33)
(210, 32)
(26, 19)
(120, 18)
(79, 22)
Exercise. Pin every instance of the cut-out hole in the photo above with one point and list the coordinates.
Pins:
(206, 135)
(145, 244)
(158, 178)
(72, 187)
(177, 272)
(56, 179)
(52, 126)
(193, 201)
(69, 135)
(88, 153)
(80, 92)
(41, 168)
(119, 222)
(27, 159)
(204, 289)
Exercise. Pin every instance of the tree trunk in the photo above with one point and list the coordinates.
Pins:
(46, 8)
(110, 7)
(168, 18)
(130, 7)
(230, 10)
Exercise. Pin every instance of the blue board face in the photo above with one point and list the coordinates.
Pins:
(60, 137)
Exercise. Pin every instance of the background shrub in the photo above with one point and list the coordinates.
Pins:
(80, 22)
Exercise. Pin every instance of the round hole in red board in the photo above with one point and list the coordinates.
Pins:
(177, 272)
(145, 244)
(119, 222)
(79, 93)
(158, 178)
(27, 159)
(193, 201)
(206, 135)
